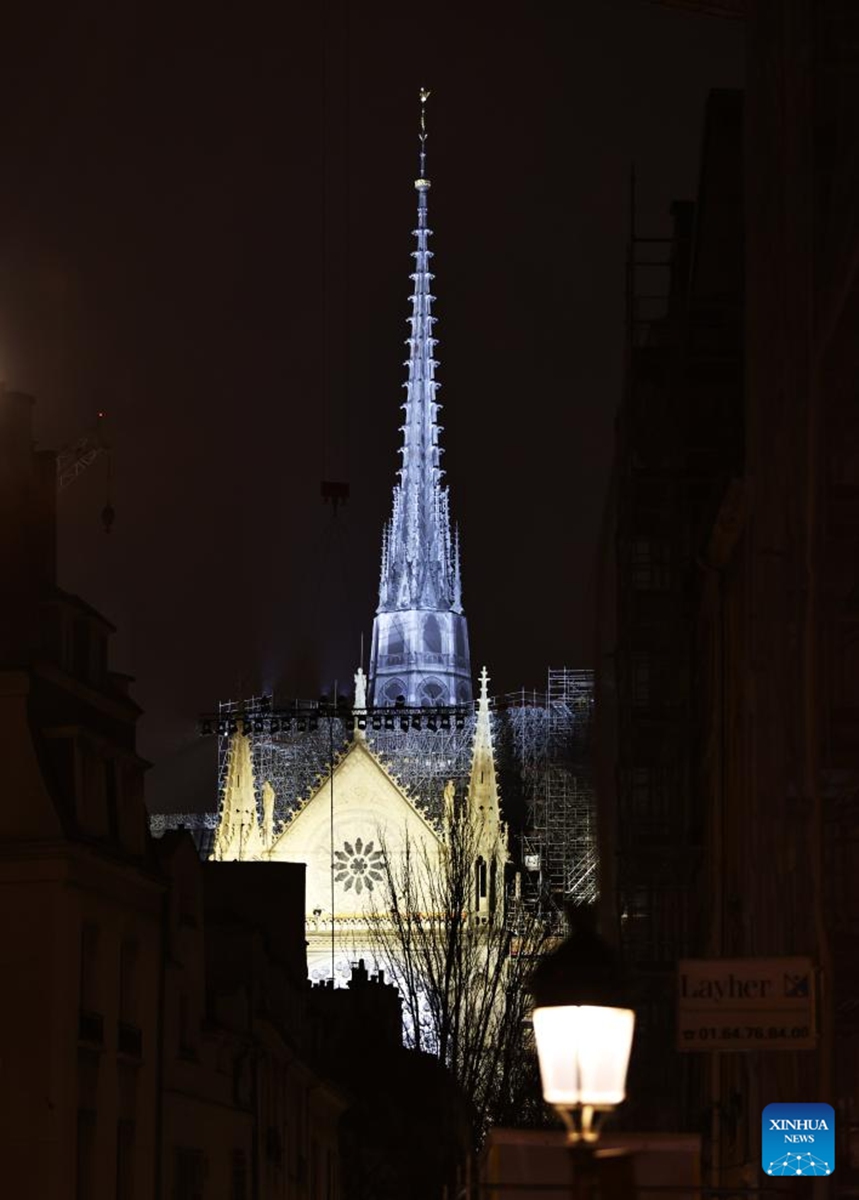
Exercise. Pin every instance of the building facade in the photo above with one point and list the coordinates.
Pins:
(757, 694)
(158, 1038)
(679, 440)
(780, 618)
(80, 898)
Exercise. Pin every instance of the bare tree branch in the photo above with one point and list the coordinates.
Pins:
(462, 977)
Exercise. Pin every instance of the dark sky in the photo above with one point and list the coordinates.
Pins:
(205, 222)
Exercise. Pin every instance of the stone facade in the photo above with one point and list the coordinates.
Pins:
(353, 833)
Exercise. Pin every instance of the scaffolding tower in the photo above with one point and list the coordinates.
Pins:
(550, 740)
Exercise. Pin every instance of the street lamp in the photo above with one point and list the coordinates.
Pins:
(583, 1025)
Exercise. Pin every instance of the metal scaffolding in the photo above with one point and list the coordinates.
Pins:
(550, 743)
(542, 755)
(295, 758)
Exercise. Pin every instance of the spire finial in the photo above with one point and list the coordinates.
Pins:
(422, 182)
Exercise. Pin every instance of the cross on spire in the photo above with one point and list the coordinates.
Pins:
(422, 137)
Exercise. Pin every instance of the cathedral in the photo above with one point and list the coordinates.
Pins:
(357, 833)
(354, 792)
(362, 824)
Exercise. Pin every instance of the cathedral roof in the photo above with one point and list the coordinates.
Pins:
(361, 756)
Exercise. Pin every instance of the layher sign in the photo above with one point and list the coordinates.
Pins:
(745, 1004)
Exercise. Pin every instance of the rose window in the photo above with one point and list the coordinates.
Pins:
(358, 865)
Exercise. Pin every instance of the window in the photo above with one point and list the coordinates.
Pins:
(314, 1169)
(481, 878)
(331, 1176)
(653, 799)
(432, 635)
(128, 955)
(651, 565)
(98, 661)
(80, 650)
(111, 799)
(89, 1001)
(432, 692)
(85, 1166)
(395, 692)
(125, 1160)
(239, 1178)
(186, 1041)
(640, 679)
(189, 1173)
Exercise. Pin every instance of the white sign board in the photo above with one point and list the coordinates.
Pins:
(745, 1004)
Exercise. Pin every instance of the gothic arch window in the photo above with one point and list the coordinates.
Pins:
(480, 878)
(395, 643)
(432, 635)
(463, 697)
(395, 691)
(432, 692)
(460, 640)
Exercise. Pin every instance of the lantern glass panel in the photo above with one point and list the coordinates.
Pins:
(584, 1053)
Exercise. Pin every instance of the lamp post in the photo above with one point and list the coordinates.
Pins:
(583, 1025)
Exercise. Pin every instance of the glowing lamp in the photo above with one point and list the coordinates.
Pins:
(583, 1026)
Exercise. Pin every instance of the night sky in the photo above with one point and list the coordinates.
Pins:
(205, 220)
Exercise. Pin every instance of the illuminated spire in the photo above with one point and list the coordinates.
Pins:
(422, 660)
(483, 790)
(484, 810)
(238, 835)
(419, 569)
